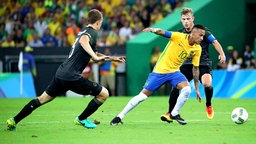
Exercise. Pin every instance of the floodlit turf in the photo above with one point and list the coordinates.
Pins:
(53, 123)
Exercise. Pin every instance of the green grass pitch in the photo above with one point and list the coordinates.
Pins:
(53, 123)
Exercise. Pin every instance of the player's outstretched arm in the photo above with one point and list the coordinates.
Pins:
(218, 47)
(119, 59)
(158, 31)
(116, 59)
(84, 41)
(113, 58)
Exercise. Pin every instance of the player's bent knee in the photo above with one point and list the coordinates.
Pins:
(45, 98)
(104, 94)
(207, 85)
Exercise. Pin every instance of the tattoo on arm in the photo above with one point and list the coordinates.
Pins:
(196, 75)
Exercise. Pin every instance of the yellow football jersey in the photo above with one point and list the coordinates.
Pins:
(176, 52)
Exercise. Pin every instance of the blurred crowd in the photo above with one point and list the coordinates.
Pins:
(55, 23)
(236, 61)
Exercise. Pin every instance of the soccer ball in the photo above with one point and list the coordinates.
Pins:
(239, 115)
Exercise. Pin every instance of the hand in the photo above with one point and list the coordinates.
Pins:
(153, 30)
(222, 58)
(101, 58)
(198, 96)
(118, 59)
(147, 30)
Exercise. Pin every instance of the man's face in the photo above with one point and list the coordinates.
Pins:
(187, 20)
(197, 35)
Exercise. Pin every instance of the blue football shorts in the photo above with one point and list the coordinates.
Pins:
(156, 80)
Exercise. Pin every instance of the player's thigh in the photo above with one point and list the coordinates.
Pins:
(155, 80)
(85, 87)
(178, 80)
(57, 87)
(186, 70)
(206, 76)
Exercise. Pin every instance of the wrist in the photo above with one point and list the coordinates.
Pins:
(112, 58)
(154, 30)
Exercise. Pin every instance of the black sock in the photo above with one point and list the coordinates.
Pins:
(173, 99)
(90, 109)
(208, 93)
(27, 109)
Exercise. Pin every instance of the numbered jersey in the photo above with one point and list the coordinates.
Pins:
(78, 58)
(176, 52)
(208, 39)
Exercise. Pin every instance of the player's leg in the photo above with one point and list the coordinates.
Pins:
(28, 109)
(143, 95)
(173, 98)
(182, 99)
(153, 82)
(172, 101)
(51, 92)
(207, 83)
(181, 83)
(92, 107)
(206, 80)
(186, 70)
(85, 87)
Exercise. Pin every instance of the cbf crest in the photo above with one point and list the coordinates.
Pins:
(191, 54)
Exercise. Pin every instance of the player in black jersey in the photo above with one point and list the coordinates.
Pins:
(205, 67)
(68, 75)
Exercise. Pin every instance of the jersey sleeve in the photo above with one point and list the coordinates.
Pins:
(196, 57)
(175, 35)
(92, 35)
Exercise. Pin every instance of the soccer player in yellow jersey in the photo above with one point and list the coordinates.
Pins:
(180, 47)
(205, 67)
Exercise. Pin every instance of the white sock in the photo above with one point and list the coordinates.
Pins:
(183, 97)
(132, 104)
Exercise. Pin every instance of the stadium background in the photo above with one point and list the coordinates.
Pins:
(232, 23)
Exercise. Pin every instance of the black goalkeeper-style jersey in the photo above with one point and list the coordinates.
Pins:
(204, 59)
(78, 58)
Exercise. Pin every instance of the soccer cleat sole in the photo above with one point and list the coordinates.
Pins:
(179, 119)
(164, 119)
(78, 123)
(182, 123)
(112, 123)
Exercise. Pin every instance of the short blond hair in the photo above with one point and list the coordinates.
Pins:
(186, 11)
